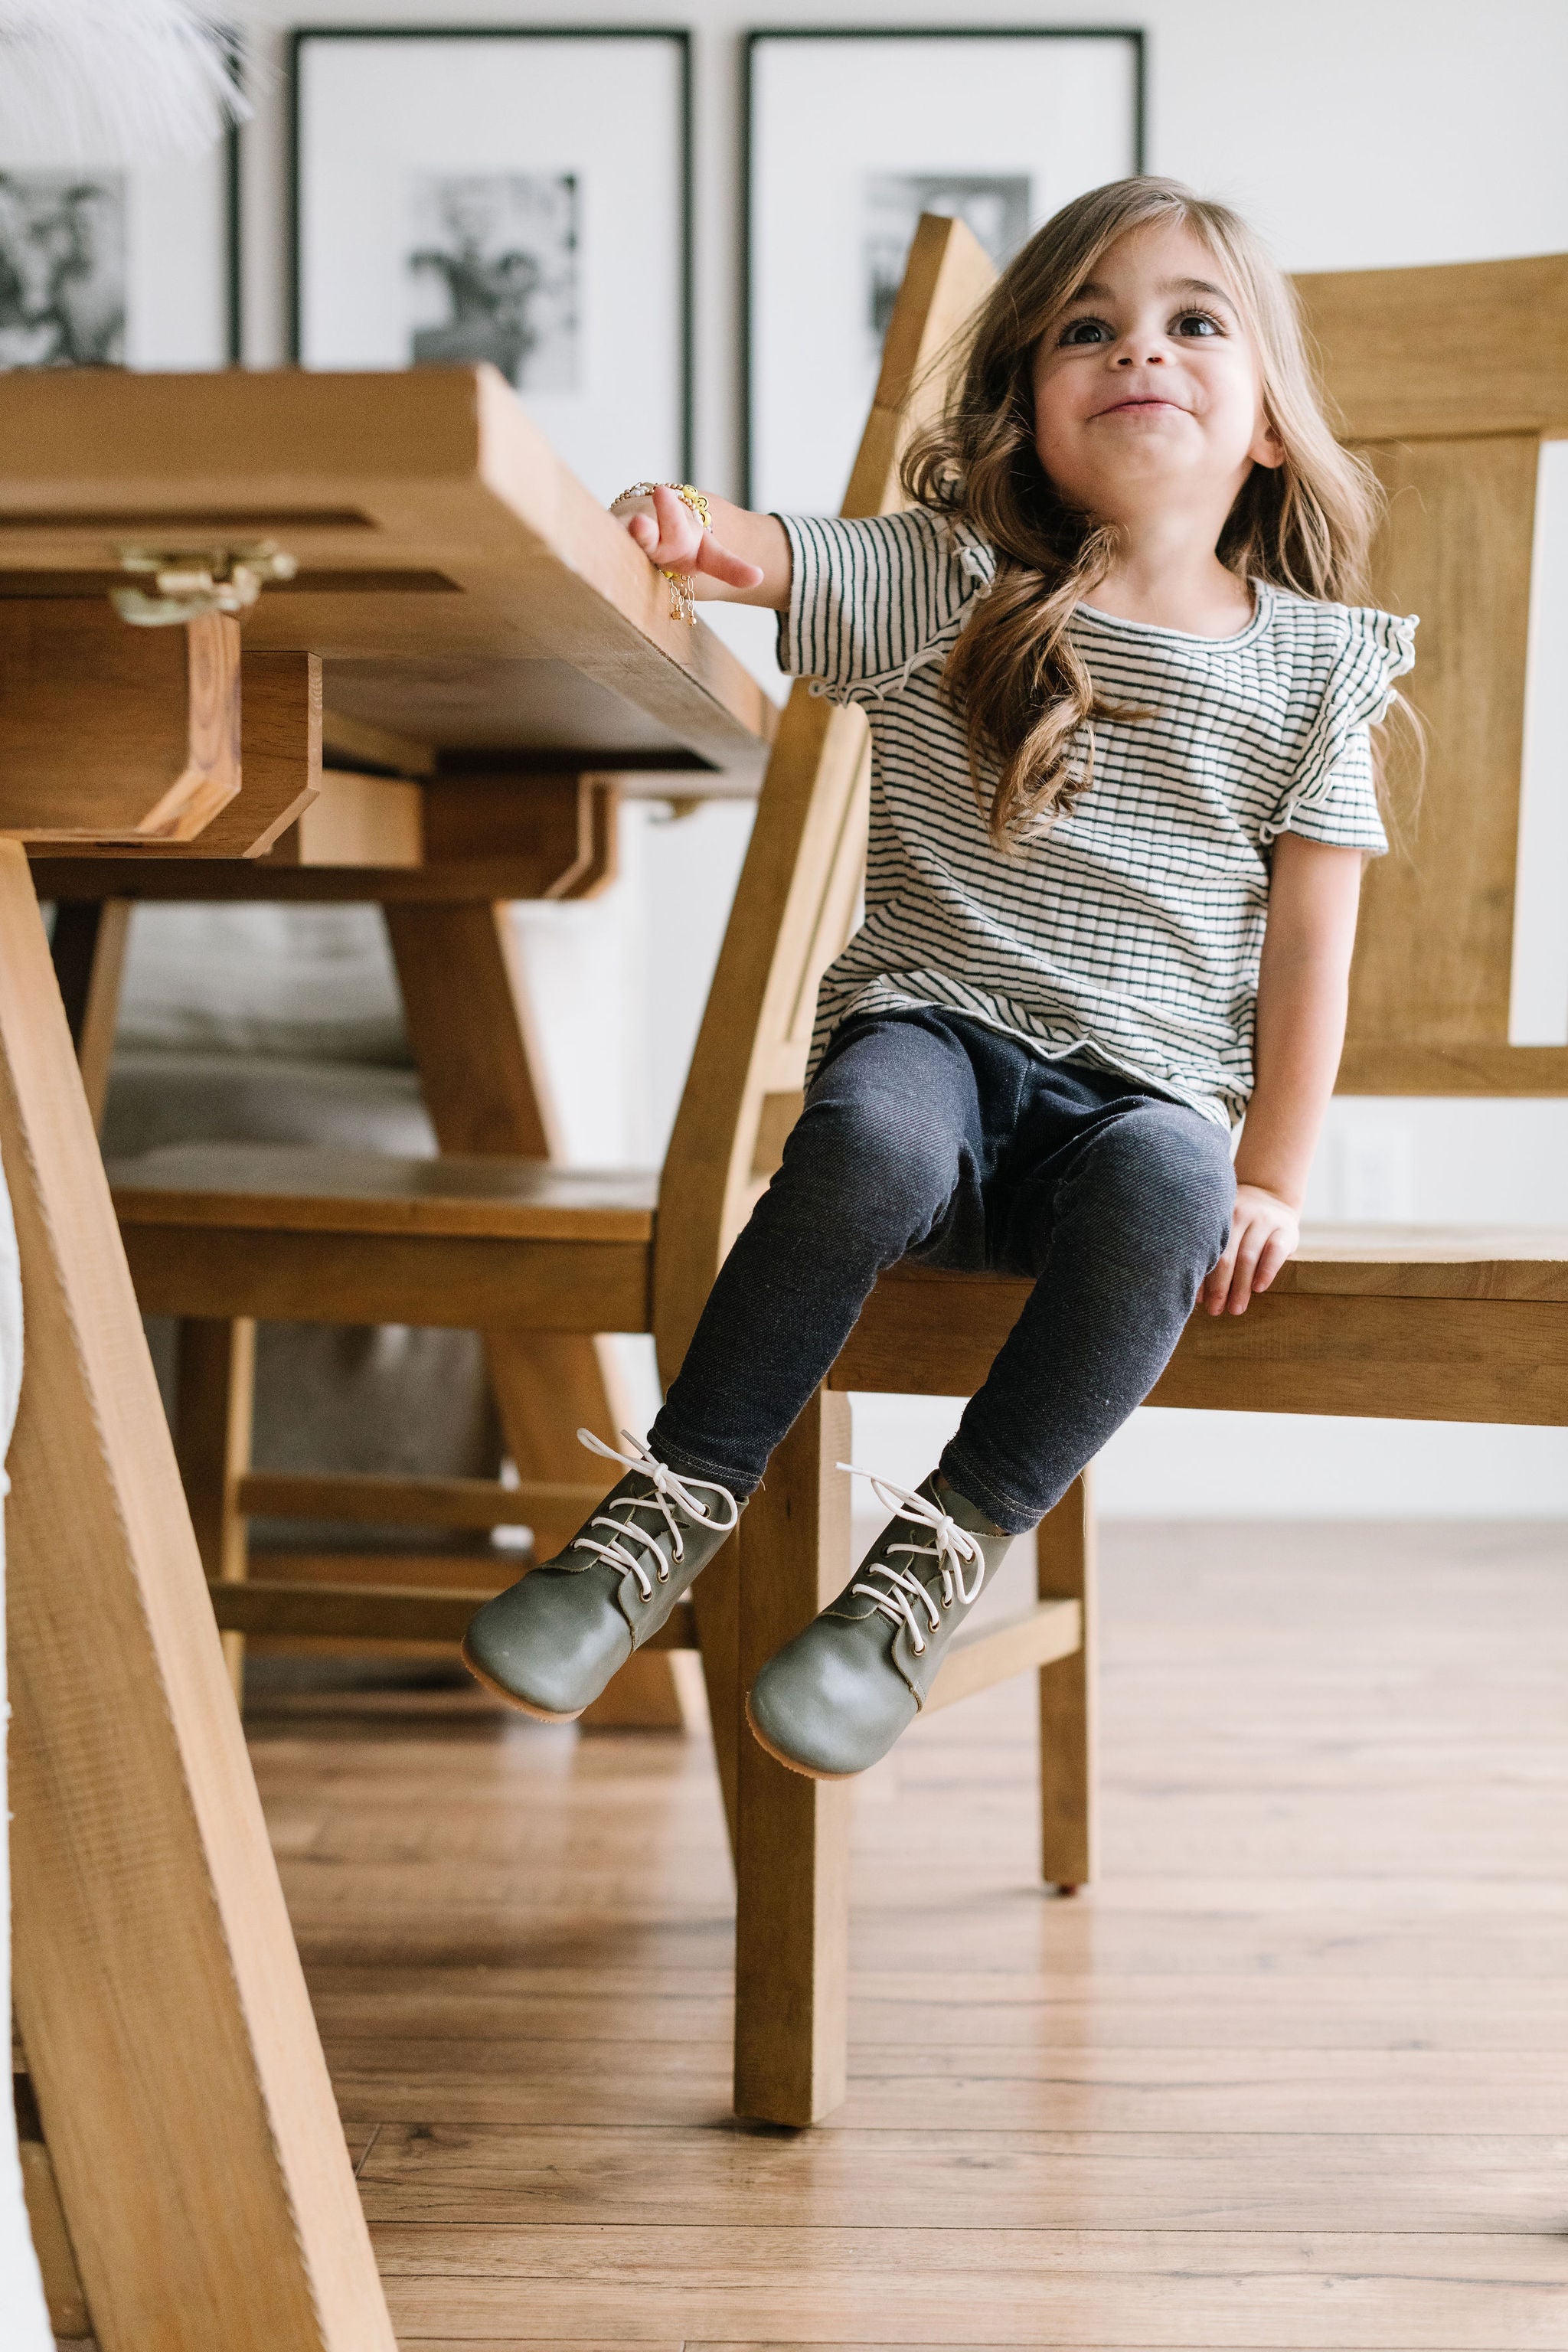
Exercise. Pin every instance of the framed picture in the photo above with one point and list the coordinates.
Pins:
(513, 194)
(849, 137)
(114, 268)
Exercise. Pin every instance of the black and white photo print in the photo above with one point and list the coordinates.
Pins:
(493, 274)
(62, 268)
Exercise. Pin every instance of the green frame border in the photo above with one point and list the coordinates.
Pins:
(679, 34)
(1135, 34)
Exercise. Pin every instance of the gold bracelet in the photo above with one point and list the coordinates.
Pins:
(682, 602)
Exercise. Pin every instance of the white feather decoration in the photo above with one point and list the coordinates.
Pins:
(113, 81)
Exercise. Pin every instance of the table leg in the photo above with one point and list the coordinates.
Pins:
(189, 2117)
(471, 1028)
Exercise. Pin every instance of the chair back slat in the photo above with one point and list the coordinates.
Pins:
(1448, 379)
(795, 902)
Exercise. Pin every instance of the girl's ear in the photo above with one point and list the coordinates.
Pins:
(1268, 449)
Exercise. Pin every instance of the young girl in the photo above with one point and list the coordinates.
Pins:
(1122, 793)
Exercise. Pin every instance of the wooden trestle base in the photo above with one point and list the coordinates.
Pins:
(158, 1991)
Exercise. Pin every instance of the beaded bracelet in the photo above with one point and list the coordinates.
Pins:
(682, 602)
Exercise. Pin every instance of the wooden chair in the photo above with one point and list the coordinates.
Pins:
(1451, 379)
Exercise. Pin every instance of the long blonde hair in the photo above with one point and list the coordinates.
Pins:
(1027, 699)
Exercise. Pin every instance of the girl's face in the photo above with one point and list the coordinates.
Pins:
(1148, 394)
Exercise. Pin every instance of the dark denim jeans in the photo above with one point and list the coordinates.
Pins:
(927, 1135)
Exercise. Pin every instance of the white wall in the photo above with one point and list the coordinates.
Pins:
(1355, 133)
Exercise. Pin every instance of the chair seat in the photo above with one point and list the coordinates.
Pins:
(301, 1188)
(295, 1233)
(1398, 1322)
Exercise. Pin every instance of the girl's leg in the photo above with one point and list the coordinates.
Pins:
(886, 1151)
(1121, 1229)
(1120, 1243)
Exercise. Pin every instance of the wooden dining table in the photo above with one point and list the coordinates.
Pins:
(381, 645)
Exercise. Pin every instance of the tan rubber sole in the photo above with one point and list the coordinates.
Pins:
(791, 1763)
(497, 1690)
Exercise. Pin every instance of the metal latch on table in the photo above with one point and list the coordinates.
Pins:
(187, 582)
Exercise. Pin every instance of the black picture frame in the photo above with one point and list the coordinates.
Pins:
(678, 36)
(1131, 35)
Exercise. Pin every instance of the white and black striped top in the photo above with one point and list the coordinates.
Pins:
(1131, 929)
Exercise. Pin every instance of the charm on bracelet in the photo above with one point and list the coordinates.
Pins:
(683, 601)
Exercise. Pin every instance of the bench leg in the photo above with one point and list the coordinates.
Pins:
(792, 1870)
(214, 1393)
(473, 1036)
(1066, 1566)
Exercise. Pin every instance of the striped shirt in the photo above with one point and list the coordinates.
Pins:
(1129, 931)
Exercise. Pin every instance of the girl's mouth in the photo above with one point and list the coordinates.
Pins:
(1122, 407)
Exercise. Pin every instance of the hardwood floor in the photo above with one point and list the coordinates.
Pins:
(1294, 2074)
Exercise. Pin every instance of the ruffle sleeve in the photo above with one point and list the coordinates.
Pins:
(872, 599)
(1332, 796)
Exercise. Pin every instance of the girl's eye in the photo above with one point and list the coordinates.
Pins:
(1086, 330)
(1198, 322)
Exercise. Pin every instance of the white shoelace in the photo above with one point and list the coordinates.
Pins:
(670, 1491)
(955, 1546)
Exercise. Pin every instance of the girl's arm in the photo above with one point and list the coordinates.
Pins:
(1303, 986)
(744, 559)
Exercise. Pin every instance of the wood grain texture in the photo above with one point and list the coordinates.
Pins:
(307, 1187)
(1434, 957)
(520, 615)
(1402, 1339)
(567, 820)
(51, 2243)
(280, 777)
(208, 2197)
(446, 1282)
(109, 732)
(792, 1858)
(1466, 347)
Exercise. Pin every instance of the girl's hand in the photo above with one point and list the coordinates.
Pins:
(1264, 1232)
(670, 534)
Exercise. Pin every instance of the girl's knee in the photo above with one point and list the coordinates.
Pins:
(877, 1152)
(1165, 1171)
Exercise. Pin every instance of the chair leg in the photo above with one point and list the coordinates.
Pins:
(792, 1869)
(214, 1395)
(1066, 1563)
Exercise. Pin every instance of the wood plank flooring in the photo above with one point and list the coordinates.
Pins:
(1293, 2077)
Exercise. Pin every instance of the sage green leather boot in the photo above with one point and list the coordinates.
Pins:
(549, 1644)
(835, 1699)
